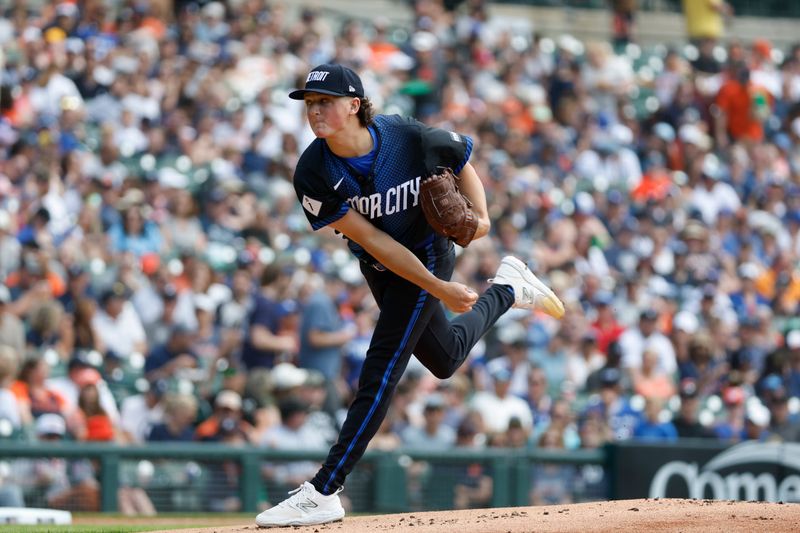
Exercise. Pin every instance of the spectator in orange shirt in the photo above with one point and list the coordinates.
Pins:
(742, 105)
(227, 407)
(92, 423)
(656, 181)
(34, 397)
(382, 51)
(649, 381)
(622, 20)
(35, 281)
(606, 327)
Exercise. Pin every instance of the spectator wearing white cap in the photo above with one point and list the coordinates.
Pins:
(212, 26)
(226, 418)
(286, 379)
(712, 195)
(684, 326)
(514, 356)
(498, 406)
(646, 336)
(292, 434)
(55, 482)
(50, 426)
(756, 422)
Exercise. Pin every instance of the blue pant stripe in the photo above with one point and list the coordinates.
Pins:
(385, 380)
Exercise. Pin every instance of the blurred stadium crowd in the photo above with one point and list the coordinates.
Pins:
(159, 282)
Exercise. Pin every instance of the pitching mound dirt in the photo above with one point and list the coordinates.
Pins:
(626, 515)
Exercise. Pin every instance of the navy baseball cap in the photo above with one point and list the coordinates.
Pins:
(610, 377)
(336, 80)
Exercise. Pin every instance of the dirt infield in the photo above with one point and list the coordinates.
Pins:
(687, 516)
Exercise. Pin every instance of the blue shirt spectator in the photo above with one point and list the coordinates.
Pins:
(163, 433)
(180, 411)
(264, 341)
(135, 235)
(323, 332)
(167, 360)
(655, 431)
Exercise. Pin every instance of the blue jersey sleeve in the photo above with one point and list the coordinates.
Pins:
(445, 148)
(321, 203)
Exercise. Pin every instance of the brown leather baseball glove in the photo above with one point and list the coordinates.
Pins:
(447, 210)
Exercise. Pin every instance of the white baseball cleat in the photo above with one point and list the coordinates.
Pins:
(305, 507)
(529, 292)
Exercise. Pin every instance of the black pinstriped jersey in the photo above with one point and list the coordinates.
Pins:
(388, 196)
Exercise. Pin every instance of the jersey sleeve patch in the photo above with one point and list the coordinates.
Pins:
(311, 205)
(321, 203)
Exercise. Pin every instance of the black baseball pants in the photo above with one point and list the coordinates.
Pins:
(410, 321)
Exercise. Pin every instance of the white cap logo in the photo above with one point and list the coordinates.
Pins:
(317, 75)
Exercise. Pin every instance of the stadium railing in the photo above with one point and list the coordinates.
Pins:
(191, 477)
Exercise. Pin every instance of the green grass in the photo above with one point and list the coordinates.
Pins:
(88, 529)
(82, 516)
(117, 523)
